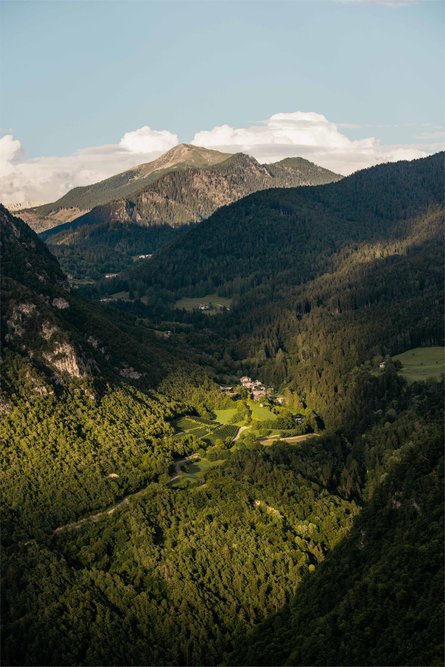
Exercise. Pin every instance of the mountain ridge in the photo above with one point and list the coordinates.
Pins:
(81, 199)
(335, 208)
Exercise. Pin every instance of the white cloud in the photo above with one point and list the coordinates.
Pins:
(48, 178)
(146, 140)
(10, 149)
(305, 134)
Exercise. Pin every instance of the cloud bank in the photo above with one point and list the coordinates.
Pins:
(304, 134)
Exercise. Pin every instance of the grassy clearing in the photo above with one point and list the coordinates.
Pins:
(225, 416)
(81, 282)
(125, 296)
(259, 413)
(185, 423)
(193, 471)
(422, 363)
(215, 302)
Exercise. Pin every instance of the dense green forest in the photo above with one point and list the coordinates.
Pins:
(179, 576)
(260, 247)
(327, 550)
(377, 599)
(110, 247)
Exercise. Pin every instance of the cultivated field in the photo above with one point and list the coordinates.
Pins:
(220, 429)
(205, 428)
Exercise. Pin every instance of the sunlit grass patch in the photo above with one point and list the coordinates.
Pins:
(422, 363)
(213, 301)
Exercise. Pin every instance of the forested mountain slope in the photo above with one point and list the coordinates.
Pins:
(377, 598)
(323, 279)
(43, 320)
(83, 199)
(277, 238)
(105, 239)
(89, 252)
(79, 397)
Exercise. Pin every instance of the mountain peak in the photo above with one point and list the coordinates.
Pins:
(194, 156)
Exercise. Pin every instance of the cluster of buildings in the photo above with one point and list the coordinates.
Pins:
(256, 388)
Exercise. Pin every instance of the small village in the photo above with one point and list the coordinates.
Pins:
(256, 389)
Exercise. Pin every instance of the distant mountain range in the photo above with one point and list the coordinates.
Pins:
(22, 205)
(138, 211)
(141, 198)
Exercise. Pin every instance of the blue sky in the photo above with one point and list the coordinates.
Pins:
(83, 74)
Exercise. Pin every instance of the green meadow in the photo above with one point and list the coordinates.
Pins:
(192, 472)
(422, 363)
(214, 301)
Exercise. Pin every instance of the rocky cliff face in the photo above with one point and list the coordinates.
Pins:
(34, 295)
(50, 336)
(41, 321)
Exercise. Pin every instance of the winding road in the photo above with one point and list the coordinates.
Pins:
(124, 501)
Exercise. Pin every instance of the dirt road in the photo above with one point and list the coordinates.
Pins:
(124, 501)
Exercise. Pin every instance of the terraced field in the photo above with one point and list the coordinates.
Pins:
(205, 428)
(223, 432)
